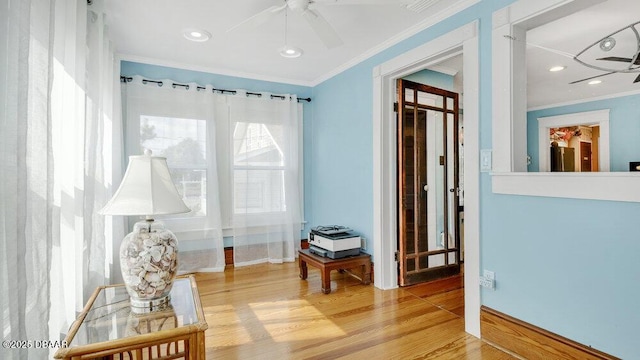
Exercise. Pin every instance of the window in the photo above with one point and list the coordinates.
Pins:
(183, 143)
(228, 155)
(258, 169)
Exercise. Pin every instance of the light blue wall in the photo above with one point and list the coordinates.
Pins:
(129, 68)
(624, 129)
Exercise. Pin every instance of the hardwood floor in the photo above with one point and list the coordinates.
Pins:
(266, 312)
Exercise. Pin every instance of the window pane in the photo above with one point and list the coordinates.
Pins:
(257, 145)
(259, 191)
(183, 143)
(192, 185)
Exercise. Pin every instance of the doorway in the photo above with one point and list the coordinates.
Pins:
(585, 156)
(570, 131)
(462, 40)
(428, 183)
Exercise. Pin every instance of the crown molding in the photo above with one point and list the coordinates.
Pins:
(585, 100)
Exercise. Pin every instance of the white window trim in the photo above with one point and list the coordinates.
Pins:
(598, 117)
(509, 117)
(465, 40)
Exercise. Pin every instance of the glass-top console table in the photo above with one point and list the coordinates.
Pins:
(108, 329)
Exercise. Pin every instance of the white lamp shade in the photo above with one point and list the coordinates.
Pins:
(146, 189)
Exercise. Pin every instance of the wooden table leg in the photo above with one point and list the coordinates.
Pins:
(326, 280)
(303, 268)
(366, 273)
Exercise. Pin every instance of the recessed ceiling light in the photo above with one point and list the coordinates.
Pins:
(607, 44)
(198, 35)
(557, 68)
(290, 52)
(595, 82)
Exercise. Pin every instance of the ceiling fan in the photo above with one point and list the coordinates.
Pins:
(606, 44)
(318, 23)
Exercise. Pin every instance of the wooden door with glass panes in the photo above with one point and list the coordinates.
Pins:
(428, 192)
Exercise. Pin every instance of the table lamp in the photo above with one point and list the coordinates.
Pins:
(148, 255)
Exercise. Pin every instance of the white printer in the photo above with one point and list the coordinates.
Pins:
(334, 242)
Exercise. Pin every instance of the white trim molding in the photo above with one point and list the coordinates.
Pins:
(463, 40)
(622, 186)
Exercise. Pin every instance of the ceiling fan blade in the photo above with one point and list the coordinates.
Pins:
(592, 77)
(615, 58)
(621, 59)
(323, 29)
(259, 18)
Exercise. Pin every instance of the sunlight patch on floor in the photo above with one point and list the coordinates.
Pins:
(227, 315)
(290, 320)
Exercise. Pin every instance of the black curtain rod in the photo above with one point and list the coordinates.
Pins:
(127, 79)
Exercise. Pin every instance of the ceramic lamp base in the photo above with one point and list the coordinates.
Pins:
(148, 261)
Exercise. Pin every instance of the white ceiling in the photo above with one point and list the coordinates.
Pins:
(150, 31)
(571, 35)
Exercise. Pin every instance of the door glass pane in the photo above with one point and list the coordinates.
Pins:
(411, 264)
(408, 95)
(436, 260)
(436, 179)
(450, 103)
(423, 261)
(409, 179)
(452, 258)
(421, 168)
(450, 176)
(430, 99)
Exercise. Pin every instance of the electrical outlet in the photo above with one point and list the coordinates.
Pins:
(489, 275)
(487, 283)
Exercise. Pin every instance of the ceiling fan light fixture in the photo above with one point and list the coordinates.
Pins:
(557, 68)
(290, 51)
(607, 44)
(197, 35)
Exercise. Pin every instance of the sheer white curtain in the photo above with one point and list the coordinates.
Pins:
(57, 127)
(266, 183)
(180, 122)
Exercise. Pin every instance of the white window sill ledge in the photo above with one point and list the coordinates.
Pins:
(611, 186)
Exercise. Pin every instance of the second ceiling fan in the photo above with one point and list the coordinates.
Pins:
(325, 32)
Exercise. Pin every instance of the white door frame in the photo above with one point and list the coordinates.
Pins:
(461, 40)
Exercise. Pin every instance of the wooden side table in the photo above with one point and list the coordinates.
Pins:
(107, 329)
(362, 261)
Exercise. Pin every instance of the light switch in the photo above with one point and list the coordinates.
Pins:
(485, 160)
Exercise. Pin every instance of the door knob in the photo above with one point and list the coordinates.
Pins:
(426, 187)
